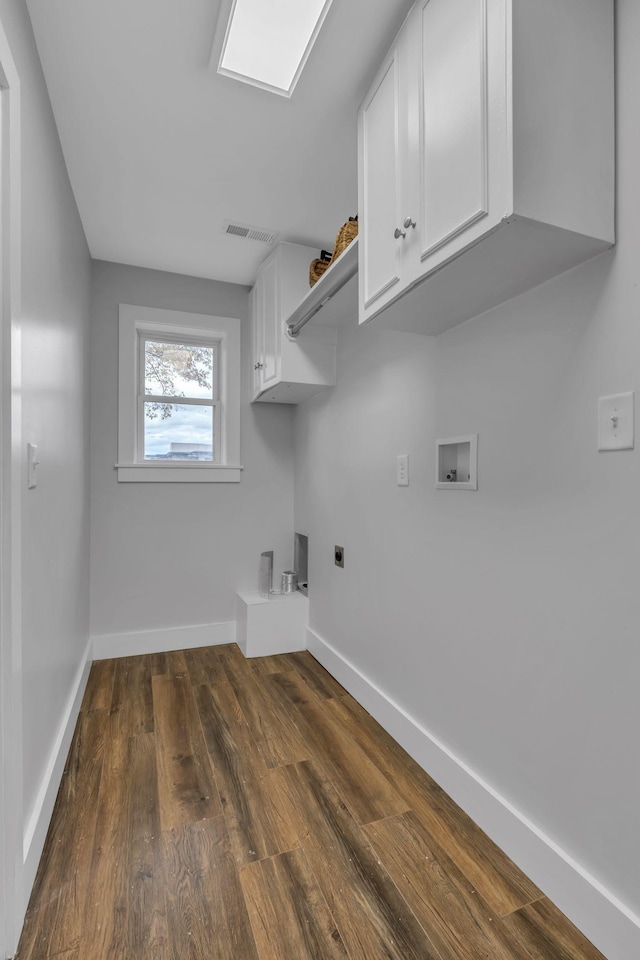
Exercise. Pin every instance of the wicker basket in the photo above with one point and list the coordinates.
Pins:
(318, 266)
(347, 232)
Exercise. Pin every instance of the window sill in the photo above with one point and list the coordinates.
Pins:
(174, 473)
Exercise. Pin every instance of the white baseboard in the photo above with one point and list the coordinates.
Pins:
(610, 925)
(161, 641)
(35, 832)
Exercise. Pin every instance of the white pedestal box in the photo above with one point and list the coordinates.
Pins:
(266, 627)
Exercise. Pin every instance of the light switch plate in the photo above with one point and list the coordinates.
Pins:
(403, 470)
(32, 465)
(616, 422)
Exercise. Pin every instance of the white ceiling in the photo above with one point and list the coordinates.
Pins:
(161, 150)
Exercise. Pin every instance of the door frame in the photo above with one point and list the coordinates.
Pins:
(11, 819)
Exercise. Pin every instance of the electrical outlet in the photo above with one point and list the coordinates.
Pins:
(338, 556)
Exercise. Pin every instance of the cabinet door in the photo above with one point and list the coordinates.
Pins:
(270, 312)
(379, 138)
(454, 116)
(256, 339)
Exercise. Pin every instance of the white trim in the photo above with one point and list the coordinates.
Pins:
(185, 473)
(165, 323)
(10, 508)
(35, 832)
(106, 646)
(167, 465)
(610, 925)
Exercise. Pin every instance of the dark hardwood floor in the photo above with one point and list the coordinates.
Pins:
(217, 808)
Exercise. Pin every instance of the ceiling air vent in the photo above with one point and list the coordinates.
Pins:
(245, 232)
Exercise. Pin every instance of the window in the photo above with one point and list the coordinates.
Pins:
(178, 405)
(179, 397)
(267, 44)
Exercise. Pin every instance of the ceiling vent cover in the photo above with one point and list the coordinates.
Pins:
(246, 232)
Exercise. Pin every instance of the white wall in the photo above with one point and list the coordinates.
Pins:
(505, 621)
(173, 555)
(54, 399)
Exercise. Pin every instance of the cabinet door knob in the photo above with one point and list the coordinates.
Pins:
(408, 222)
(257, 366)
(398, 233)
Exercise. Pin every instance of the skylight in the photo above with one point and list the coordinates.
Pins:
(268, 41)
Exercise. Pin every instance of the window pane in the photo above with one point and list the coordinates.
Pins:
(178, 369)
(175, 431)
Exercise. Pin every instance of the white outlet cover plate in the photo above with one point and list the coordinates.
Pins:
(403, 470)
(616, 422)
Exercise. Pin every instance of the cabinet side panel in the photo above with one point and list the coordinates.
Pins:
(454, 148)
(563, 113)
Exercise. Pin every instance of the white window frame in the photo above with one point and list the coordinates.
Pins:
(138, 323)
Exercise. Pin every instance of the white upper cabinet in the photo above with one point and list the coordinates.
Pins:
(486, 156)
(286, 370)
